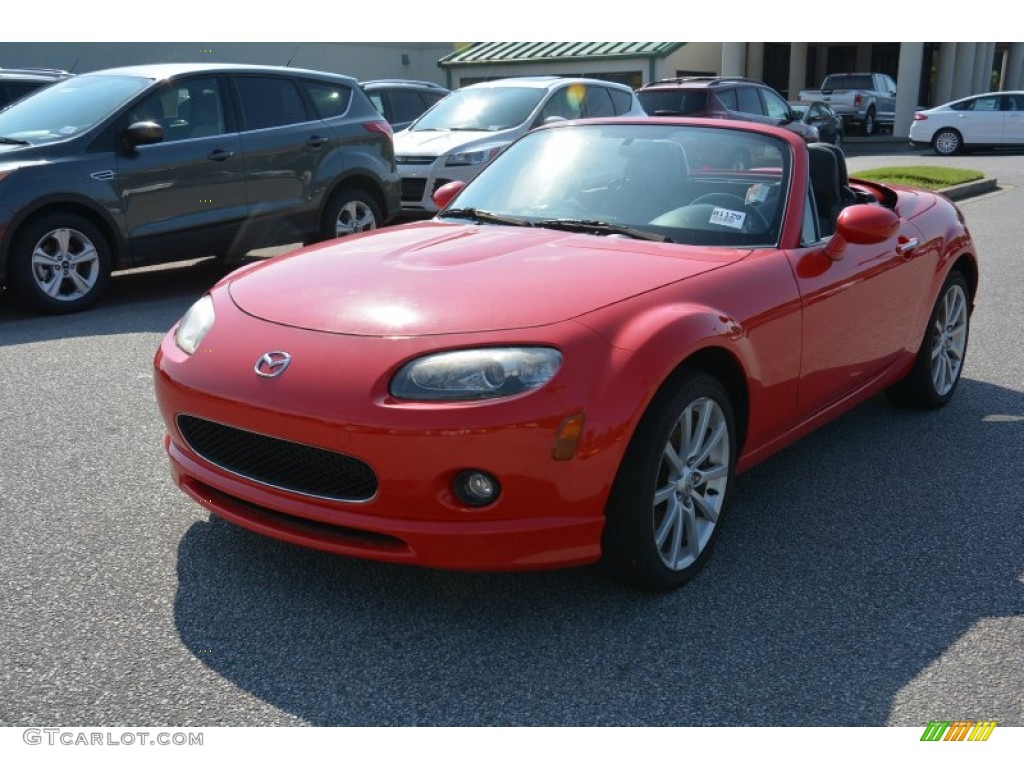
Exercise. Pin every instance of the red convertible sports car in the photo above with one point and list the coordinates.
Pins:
(574, 359)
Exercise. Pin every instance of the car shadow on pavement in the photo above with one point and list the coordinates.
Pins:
(851, 563)
(167, 291)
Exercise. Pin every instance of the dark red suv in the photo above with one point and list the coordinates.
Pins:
(729, 98)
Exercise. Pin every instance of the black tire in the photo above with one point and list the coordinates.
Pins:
(661, 544)
(933, 380)
(870, 124)
(347, 212)
(947, 141)
(59, 263)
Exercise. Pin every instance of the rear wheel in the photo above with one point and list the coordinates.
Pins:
(348, 212)
(947, 142)
(669, 497)
(59, 263)
(933, 380)
(870, 125)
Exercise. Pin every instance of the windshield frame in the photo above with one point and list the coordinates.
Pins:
(513, 185)
(42, 122)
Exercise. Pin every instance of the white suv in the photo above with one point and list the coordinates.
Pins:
(464, 131)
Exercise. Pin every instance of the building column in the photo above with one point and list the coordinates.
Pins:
(982, 68)
(755, 61)
(734, 59)
(797, 69)
(944, 82)
(1015, 71)
(964, 69)
(911, 59)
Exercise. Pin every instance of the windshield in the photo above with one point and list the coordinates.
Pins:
(67, 108)
(481, 109)
(706, 186)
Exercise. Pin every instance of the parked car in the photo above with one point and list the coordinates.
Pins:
(130, 166)
(820, 115)
(985, 120)
(730, 98)
(462, 133)
(863, 99)
(402, 101)
(15, 83)
(574, 359)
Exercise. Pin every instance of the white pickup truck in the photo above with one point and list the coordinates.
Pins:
(864, 99)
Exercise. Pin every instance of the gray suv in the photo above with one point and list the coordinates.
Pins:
(125, 167)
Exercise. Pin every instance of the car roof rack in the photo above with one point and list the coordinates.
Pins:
(32, 71)
(707, 79)
(402, 81)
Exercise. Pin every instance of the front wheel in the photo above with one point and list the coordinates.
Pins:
(947, 142)
(348, 212)
(59, 263)
(870, 125)
(669, 497)
(940, 360)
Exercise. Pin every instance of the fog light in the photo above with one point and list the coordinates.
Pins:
(475, 488)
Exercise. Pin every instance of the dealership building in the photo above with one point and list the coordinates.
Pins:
(927, 74)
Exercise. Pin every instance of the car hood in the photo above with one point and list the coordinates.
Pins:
(433, 278)
(437, 143)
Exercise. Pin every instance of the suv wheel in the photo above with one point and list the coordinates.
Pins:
(348, 212)
(59, 263)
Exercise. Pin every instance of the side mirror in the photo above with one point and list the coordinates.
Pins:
(862, 225)
(145, 132)
(444, 195)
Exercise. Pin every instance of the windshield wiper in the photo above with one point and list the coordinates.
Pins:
(600, 227)
(6, 140)
(485, 217)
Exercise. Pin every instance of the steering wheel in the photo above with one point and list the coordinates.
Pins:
(755, 221)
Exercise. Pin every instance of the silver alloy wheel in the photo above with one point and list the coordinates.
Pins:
(354, 216)
(869, 124)
(65, 264)
(947, 143)
(691, 483)
(950, 339)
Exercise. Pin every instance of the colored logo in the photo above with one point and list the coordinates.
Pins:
(958, 730)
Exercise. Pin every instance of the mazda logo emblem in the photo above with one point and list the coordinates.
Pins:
(272, 364)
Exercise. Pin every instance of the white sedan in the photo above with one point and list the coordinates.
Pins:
(985, 120)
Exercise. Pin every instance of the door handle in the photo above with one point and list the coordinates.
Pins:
(905, 246)
(219, 155)
(316, 141)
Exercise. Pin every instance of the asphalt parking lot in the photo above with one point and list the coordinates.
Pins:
(870, 575)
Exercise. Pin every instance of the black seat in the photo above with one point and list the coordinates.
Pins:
(825, 181)
(655, 173)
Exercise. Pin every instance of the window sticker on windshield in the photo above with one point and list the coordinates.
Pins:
(726, 218)
(67, 129)
(757, 193)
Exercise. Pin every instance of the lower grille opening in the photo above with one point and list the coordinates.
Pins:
(279, 463)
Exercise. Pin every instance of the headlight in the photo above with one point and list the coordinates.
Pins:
(473, 374)
(195, 324)
(475, 156)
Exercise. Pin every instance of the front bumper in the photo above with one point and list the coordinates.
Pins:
(550, 512)
(421, 180)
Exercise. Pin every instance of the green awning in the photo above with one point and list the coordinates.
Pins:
(508, 53)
